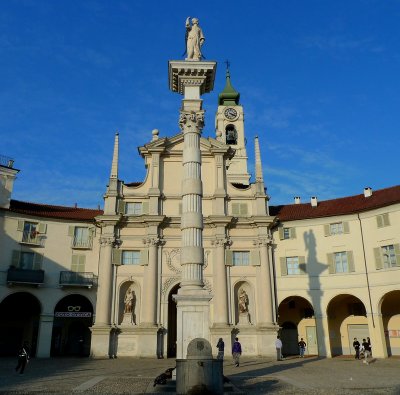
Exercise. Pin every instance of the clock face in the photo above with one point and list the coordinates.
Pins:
(230, 113)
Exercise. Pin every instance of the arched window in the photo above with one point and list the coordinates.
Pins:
(231, 135)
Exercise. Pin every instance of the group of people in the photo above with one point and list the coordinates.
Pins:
(364, 349)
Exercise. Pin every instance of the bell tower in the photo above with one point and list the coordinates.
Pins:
(229, 127)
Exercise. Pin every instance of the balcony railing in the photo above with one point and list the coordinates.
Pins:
(33, 238)
(78, 279)
(82, 243)
(23, 276)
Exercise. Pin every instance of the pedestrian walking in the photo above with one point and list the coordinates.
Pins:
(356, 346)
(221, 347)
(370, 348)
(367, 351)
(278, 346)
(302, 347)
(23, 358)
(236, 351)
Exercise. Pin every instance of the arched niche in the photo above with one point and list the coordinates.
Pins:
(244, 304)
(129, 294)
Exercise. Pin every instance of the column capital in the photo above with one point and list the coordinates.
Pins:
(153, 241)
(221, 241)
(191, 121)
(263, 241)
(109, 241)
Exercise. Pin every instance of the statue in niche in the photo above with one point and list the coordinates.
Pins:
(130, 301)
(194, 39)
(243, 301)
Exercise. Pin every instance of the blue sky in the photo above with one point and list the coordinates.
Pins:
(319, 82)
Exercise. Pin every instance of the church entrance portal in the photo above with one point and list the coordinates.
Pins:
(73, 315)
(171, 330)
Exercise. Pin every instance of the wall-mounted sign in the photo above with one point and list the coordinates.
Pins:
(68, 314)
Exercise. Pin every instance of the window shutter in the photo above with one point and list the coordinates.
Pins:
(283, 266)
(92, 231)
(144, 257)
(331, 264)
(281, 236)
(71, 231)
(255, 258)
(292, 233)
(121, 207)
(15, 258)
(82, 262)
(235, 208)
(385, 218)
(42, 228)
(350, 261)
(243, 209)
(302, 264)
(37, 261)
(20, 226)
(346, 227)
(378, 258)
(397, 252)
(74, 263)
(228, 257)
(327, 230)
(145, 207)
(379, 221)
(116, 256)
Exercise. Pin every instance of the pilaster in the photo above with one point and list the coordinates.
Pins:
(44, 337)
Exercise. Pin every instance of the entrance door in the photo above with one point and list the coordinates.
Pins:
(312, 345)
(360, 332)
(171, 330)
(290, 339)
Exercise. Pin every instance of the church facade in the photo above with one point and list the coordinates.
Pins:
(102, 282)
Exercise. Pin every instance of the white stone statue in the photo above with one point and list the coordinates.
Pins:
(130, 301)
(243, 301)
(194, 39)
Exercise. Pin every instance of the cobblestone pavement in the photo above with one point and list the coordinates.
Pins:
(309, 376)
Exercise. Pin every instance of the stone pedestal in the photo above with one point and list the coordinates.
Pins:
(135, 341)
(199, 372)
(100, 347)
(244, 319)
(127, 320)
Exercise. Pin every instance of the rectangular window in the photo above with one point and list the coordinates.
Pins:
(292, 264)
(241, 258)
(336, 228)
(81, 237)
(30, 232)
(389, 256)
(341, 264)
(26, 261)
(286, 233)
(382, 220)
(239, 209)
(78, 263)
(131, 257)
(134, 208)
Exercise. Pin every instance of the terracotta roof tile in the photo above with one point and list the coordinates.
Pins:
(341, 206)
(49, 211)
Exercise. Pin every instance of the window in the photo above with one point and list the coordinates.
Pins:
(131, 257)
(31, 232)
(382, 220)
(133, 208)
(341, 265)
(387, 257)
(26, 260)
(239, 209)
(78, 263)
(337, 228)
(292, 264)
(287, 233)
(241, 258)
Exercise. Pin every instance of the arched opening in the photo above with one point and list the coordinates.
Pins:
(171, 330)
(231, 135)
(244, 304)
(390, 310)
(347, 319)
(296, 318)
(20, 316)
(73, 315)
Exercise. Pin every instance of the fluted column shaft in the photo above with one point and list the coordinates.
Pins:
(192, 256)
(150, 284)
(103, 306)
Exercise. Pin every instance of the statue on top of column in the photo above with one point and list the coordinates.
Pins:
(194, 39)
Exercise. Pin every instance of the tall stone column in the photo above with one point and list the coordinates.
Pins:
(150, 284)
(265, 298)
(191, 79)
(44, 338)
(102, 326)
(220, 284)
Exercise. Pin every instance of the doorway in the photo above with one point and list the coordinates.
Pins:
(171, 330)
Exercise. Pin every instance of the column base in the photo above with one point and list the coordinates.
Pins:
(101, 345)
